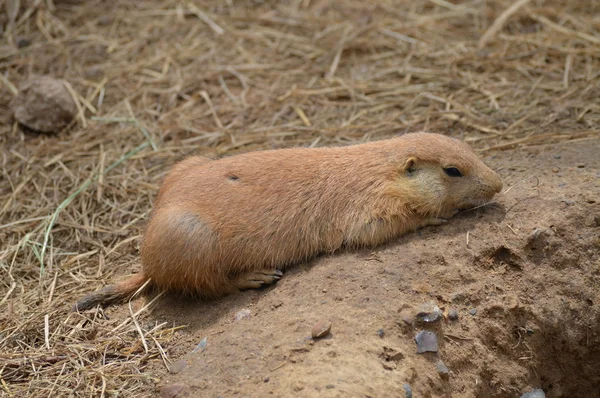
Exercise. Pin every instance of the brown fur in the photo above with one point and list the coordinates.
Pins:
(226, 224)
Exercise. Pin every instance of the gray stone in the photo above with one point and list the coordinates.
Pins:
(407, 391)
(426, 342)
(537, 393)
(429, 313)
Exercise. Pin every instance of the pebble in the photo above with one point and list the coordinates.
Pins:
(174, 390)
(381, 333)
(407, 391)
(407, 318)
(242, 314)
(442, 369)
(200, 347)
(537, 393)
(429, 313)
(473, 311)
(426, 342)
(178, 366)
(23, 42)
(43, 104)
(329, 386)
(556, 156)
(321, 328)
(452, 314)
(266, 379)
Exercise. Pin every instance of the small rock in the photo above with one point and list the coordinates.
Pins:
(556, 156)
(442, 369)
(200, 347)
(43, 104)
(452, 314)
(555, 170)
(429, 313)
(426, 342)
(242, 314)
(473, 311)
(539, 238)
(407, 319)
(381, 333)
(569, 202)
(175, 390)
(178, 366)
(321, 328)
(537, 393)
(329, 386)
(407, 391)
(266, 379)
(581, 165)
(23, 42)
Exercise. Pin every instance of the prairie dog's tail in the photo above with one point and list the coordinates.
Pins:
(112, 294)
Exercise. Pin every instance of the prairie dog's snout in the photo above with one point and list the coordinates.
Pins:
(222, 225)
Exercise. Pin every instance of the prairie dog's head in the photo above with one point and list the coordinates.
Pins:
(445, 174)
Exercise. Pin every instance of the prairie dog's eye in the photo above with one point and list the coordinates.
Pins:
(453, 172)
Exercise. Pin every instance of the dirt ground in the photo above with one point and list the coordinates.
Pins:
(153, 81)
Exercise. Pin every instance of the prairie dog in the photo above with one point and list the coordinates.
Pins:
(219, 226)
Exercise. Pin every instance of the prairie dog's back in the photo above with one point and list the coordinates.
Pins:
(265, 209)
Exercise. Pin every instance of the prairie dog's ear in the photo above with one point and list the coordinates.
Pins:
(409, 165)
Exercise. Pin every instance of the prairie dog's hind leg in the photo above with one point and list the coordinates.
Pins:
(256, 279)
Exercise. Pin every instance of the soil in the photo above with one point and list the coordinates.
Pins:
(523, 275)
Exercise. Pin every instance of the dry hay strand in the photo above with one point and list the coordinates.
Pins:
(156, 81)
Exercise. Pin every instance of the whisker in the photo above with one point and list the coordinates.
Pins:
(480, 206)
(518, 182)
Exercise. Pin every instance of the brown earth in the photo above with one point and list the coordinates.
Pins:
(529, 265)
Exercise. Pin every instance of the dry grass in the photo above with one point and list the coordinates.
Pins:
(156, 80)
